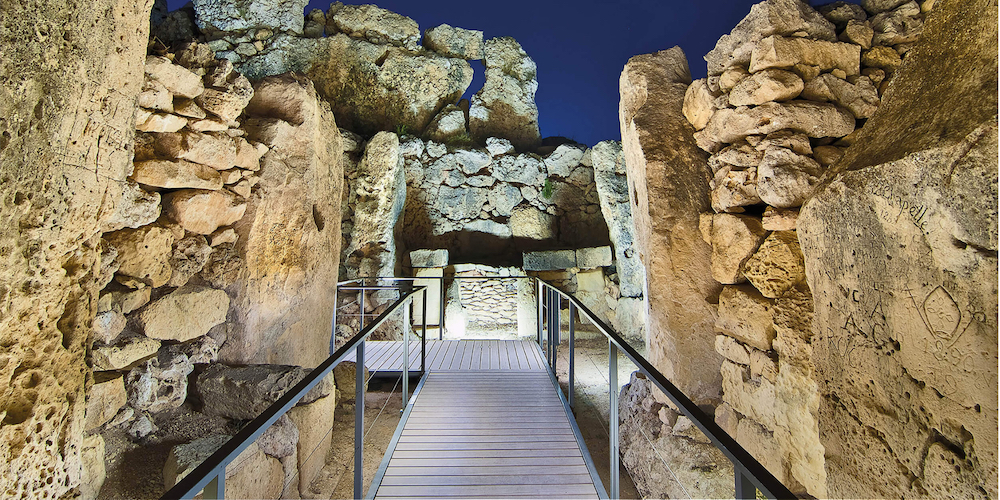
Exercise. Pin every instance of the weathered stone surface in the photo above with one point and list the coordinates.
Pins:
(612, 190)
(107, 325)
(314, 421)
(243, 15)
(698, 104)
(252, 474)
(184, 314)
(782, 52)
(344, 376)
(841, 13)
(461, 203)
(789, 139)
(203, 212)
(378, 87)
(564, 159)
(143, 253)
(280, 439)
(488, 227)
(128, 349)
(104, 399)
(777, 219)
(746, 315)
(882, 57)
(498, 147)
(669, 175)
(753, 397)
(160, 383)
(522, 169)
(777, 265)
(877, 6)
(449, 123)
(177, 79)
(188, 258)
(93, 471)
(786, 179)
(907, 229)
(227, 103)
(377, 25)
(243, 392)
(505, 106)
(734, 189)
(811, 118)
(859, 33)
(772, 17)
(216, 151)
(734, 239)
(136, 207)
(900, 26)
(429, 258)
(732, 349)
(766, 86)
(161, 122)
(590, 258)
(290, 236)
(533, 224)
(503, 198)
(549, 260)
(861, 97)
(176, 174)
(761, 444)
(455, 42)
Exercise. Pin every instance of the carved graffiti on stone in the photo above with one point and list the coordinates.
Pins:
(941, 314)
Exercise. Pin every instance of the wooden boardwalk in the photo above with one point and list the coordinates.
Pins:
(386, 357)
(486, 433)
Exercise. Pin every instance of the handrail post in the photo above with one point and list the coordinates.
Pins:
(548, 333)
(216, 490)
(441, 312)
(359, 421)
(423, 335)
(745, 489)
(540, 303)
(613, 418)
(361, 304)
(406, 353)
(572, 363)
(555, 330)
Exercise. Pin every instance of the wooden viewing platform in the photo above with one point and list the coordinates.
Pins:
(486, 421)
(386, 357)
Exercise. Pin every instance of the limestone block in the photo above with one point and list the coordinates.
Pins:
(188, 258)
(455, 42)
(811, 118)
(786, 179)
(522, 169)
(503, 198)
(773, 17)
(505, 106)
(240, 15)
(531, 223)
(861, 97)
(777, 265)
(734, 239)
(461, 203)
(780, 219)
(128, 349)
(761, 365)
(448, 124)
(753, 398)
(433, 295)
(841, 13)
(215, 151)
(746, 315)
(177, 79)
(827, 155)
(766, 86)
(201, 211)
(208, 125)
(160, 383)
(344, 376)
(740, 154)
(188, 108)
(429, 258)
(135, 208)
(732, 350)
(377, 25)
(314, 422)
(902, 25)
(161, 122)
(125, 301)
(878, 6)
(143, 253)
(698, 104)
(280, 439)
(727, 418)
(488, 227)
(594, 257)
(108, 324)
(782, 52)
(176, 175)
(247, 155)
(498, 146)
(104, 399)
(882, 57)
(253, 474)
(155, 97)
(244, 392)
(612, 190)
(788, 139)
(734, 189)
(93, 471)
(564, 159)
(858, 33)
(227, 104)
(762, 445)
(549, 260)
(184, 314)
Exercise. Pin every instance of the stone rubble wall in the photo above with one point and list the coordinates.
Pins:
(786, 92)
(368, 63)
(220, 251)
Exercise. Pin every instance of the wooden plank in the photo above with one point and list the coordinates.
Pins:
(471, 450)
(473, 462)
(540, 440)
(495, 491)
(435, 480)
(427, 469)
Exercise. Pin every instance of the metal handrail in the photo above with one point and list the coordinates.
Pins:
(750, 475)
(210, 475)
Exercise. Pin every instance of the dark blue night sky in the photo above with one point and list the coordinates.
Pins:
(580, 46)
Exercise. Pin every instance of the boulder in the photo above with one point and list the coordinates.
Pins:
(177, 79)
(201, 211)
(782, 52)
(612, 190)
(733, 189)
(104, 399)
(766, 86)
(188, 258)
(184, 314)
(667, 174)
(136, 207)
(344, 376)
(505, 106)
(461, 202)
(129, 348)
(503, 198)
(771, 17)
(160, 383)
(789, 139)
(216, 151)
(734, 239)
(533, 224)
(746, 315)
(455, 42)
(841, 12)
(252, 474)
(549, 260)
(814, 119)
(216, 17)
(429, 258)
(858, 33)
(900, 26)
(227, 103)
(779, 219)
(777, 265)
(377, 25)
(280, 439)
(698, 104)
(448, 124)
(564, 159)
(314, 422)
(244, 392)
(520, 169)
(860, 97)
(143, 253)
(498, 147)
(161, 122)
(176, 175)
(786, 179)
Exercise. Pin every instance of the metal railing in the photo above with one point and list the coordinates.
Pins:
(210, 475)
(750, 475)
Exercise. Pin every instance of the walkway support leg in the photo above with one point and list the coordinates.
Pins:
(540, 303)
(745, 489)
(572, 362)
(613, 434)
(423, 338)
(216, 488)
(406, 354)
(441, 312)
(359, 421)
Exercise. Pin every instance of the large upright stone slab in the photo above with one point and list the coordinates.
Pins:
(505, 106)
(612, 189)
(226, 16)
(901, 256)
(289, 238)
(669, 177)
